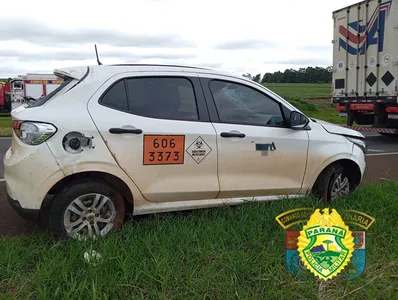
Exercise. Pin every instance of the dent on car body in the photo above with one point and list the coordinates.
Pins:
(337, 129)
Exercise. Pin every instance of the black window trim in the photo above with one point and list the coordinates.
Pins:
(213, 112)
(200, 100)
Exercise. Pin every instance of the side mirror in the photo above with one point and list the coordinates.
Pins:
(298, 120)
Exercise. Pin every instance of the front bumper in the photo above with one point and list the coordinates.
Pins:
(28, 214)
(359, 157)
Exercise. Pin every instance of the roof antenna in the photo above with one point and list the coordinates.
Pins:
(96, 53)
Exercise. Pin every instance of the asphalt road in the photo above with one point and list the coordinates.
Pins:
(382, 159)
(381, 144)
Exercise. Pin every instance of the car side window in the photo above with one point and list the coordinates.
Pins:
(116, 97)
(162, 97)
(237, 103)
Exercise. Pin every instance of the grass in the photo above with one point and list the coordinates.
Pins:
(295, 93)
(5, 126)
(303, 90)
(221, 253)
(325, 112)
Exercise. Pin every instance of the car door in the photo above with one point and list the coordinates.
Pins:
(157, 128)
(258, 155)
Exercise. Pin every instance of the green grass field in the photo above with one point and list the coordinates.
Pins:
(297, 93)
(325, 112)
(301, 90)
(5, 126)
(222, 253)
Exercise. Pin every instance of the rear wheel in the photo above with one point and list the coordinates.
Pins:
(87, 208)
(333, 183)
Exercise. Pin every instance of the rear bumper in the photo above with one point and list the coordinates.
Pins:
(29, 173)
(28, 214)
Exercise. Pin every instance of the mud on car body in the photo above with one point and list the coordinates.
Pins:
(136, 139)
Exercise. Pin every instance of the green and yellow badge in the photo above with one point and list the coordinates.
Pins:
(325, 244)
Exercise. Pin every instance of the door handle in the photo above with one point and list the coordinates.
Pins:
(124, 130)
(232, 134)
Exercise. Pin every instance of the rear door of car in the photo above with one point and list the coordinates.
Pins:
(258, 155)
(157, 128)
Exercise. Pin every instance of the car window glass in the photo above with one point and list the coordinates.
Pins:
(116, 97)
(240, 104)
(166, 98)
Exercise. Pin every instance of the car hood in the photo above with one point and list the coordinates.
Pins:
(337, 129)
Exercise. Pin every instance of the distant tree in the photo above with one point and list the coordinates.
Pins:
(302, 75)
(267, 77)
(247, 75)
(257, 78)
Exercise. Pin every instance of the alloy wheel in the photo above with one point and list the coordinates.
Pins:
(91, 215)
(340, 187)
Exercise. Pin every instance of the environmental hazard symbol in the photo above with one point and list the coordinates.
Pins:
(198, 150)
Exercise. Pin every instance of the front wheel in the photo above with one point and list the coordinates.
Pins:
(87, 208)
(333, 183)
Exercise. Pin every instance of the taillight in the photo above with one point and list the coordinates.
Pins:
(33, 133)
(16, 124)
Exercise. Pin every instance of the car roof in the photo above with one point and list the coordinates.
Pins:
(80, 71)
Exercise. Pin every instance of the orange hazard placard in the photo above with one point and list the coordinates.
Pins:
(164, 149)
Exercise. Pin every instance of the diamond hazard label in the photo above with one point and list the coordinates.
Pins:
(198, 150)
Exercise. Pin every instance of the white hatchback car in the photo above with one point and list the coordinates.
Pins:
(136, 139)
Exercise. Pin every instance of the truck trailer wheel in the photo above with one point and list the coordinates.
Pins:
(86, 208)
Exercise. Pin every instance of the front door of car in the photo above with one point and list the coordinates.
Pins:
(257, 154)
(156, 126)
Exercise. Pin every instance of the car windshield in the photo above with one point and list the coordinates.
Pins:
(43, 99)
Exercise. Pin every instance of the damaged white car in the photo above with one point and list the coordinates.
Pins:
(135, 139)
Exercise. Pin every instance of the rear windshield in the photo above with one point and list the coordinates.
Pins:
(40, 101)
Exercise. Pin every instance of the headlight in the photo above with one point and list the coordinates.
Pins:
(360, 143)
(33, 133)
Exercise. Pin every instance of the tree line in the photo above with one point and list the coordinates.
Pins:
(302, 75)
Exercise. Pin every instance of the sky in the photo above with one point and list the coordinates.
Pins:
(234, 36)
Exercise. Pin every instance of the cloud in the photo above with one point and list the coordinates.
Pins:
(10, 71)
(316, 48)
(302, 61)
(76, 55)
(40, 34)
(210, 65)
(245, 44)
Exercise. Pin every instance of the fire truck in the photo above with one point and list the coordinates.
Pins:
(5, 96)
(21, 89)
(32, 86)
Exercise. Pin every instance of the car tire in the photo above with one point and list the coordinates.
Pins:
(333, 182)
(91, 205)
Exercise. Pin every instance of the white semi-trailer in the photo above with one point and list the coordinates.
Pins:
(365, 65)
